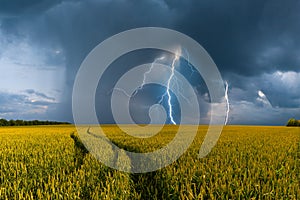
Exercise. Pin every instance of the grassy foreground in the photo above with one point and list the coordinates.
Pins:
(43, 162)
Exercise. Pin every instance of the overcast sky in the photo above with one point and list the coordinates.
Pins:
(255, 44)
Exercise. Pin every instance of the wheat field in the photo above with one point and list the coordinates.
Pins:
(248, 162)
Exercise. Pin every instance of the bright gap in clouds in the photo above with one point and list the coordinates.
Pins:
(263, 99)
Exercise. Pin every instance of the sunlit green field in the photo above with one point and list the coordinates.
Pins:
(44, 162)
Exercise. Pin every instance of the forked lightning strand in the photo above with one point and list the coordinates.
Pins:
(227, 102)
(176, 58)
(145, 75)
(144, 80)
(167, 93)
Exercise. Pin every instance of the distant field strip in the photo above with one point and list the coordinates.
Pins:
(248, 162)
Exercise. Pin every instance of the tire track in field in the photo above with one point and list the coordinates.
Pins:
(121, 160)
(140, 182)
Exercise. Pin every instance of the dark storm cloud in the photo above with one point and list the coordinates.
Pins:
(22, 106)
(39, 103)
(246, 39)
(6, 98)
(39, 94)
(9, 102)
(86, 24)
(14, 8)
(281, 88)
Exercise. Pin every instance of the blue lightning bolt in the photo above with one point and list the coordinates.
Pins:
(144, 80)
(145, 75)
(169, 82)
(170, 113)
(188, 62)
(227, 102)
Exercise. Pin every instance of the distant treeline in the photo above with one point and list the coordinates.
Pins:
(293, 122)
(4, 122)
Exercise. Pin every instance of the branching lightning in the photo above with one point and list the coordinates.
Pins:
(167, 94)
(145, 75)
(144, 80)
(122, 91)
(173, 80)
(176, 58)
(188, 62)
(227, 102)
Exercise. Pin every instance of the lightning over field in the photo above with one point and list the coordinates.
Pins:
(227, 103)
(145, 75)
(161, 99)
(167, 93)
(172, 82)
(171, 79)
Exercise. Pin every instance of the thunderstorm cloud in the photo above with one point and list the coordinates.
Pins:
(255, 44)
